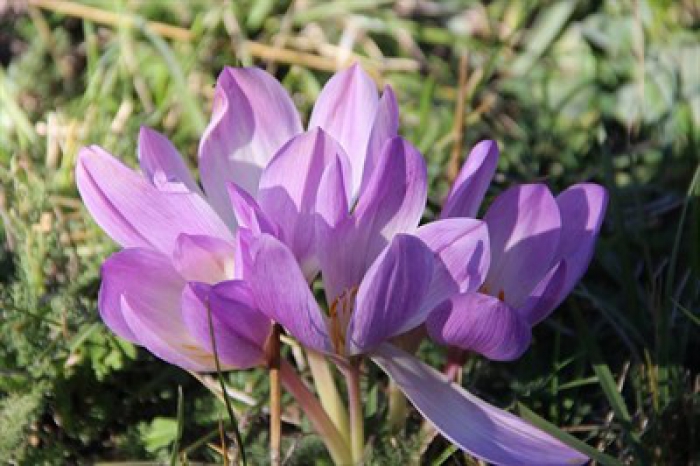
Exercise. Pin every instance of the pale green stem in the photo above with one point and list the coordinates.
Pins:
(357, 421)
(328, 392)
(334, 441)
(398, 408)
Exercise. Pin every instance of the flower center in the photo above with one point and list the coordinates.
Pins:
(339, 315)
(501, 294)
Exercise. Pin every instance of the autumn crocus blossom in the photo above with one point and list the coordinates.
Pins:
(540, 248)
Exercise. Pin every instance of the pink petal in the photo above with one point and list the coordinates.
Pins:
(524, 226)
(137, 214)
(484, 431)
(472, 182)
(204, 258)
(282, 294)
(252, 117)
(385, 127)
(160, 160)
(239, 329)
(481, 323)
(463, 252)
(346, 110)
(390, 296)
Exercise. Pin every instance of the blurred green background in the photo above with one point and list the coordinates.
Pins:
(599, 90)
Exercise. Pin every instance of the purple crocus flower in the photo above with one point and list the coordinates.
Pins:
(180, 241)
(380, 282)
(540, 248)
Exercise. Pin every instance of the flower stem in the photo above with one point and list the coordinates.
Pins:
(328, 392)
(335, 443)
(357, 427)
(398, 408)
(273, 363)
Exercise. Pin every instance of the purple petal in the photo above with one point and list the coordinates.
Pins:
(484, 431)
(252, 117)
(239, 342)
(394, 200)
(524, 226)
(289, 189)
(473, 180)
(160, 161)
(346, 109)
(463, 253)
(385, 127)
(390, 296)
(248, 213)
(143, 274)
(140, 300)
(481, 323)
(282, 293)
(546, 295)
(582, 209)
(204, 258)
(137, 214)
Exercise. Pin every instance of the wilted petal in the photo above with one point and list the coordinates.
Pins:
(390, 296)
(484, 431)
(472, 182)
(463, 253)
(160, 160)
(385, 127)
(394, 199)
(289, 189)
(248, 213)
(252, 117)
(481, 323)
(137, 214)
(524, 226)
(204, 258)
(345, 109)
(282, 293)
(582, 209)
(143, 274)
(239, 329)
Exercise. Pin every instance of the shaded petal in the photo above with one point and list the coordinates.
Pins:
(248, 213)
(346, 109)
(582, 209)
(239, 329)
(484, 431)
(137, 214)
(481, 323)
(252, 117)
(282, 293)
(143, 274)
(463, 254)
(390, 296)
(385, 127)
(473, 180)
(394, 199)
(524, 226)
(546, 295)
(204, 258)
(289, 189)
(160, 161)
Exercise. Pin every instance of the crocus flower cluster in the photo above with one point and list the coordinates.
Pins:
(340, 202)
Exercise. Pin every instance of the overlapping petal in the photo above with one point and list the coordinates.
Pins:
(161, 162)
(385, 127)
(345, 109)
(524, 226)
(203, 258)
(390, 296)
(136, 213)
(481, 323)
(253, 116)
